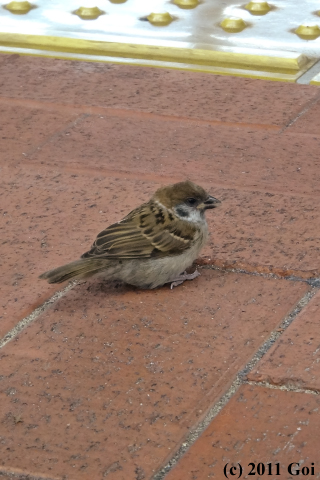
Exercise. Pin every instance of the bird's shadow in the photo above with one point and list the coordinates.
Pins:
(111, 289)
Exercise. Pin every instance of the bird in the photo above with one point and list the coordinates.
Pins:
(151, 246)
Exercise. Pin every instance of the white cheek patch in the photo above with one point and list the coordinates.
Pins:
(189, 214)
(195, 216)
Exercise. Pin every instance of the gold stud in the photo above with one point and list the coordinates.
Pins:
(186, 3)
(117, 1)
(308, 32)
(257, 7)
(233, 24)
(88, 13)
(160, 19)
(19, 8)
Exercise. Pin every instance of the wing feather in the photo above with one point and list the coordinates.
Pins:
(148, 231)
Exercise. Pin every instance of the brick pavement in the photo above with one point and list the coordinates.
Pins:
(111, 382)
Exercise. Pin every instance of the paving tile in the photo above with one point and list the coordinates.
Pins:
(308, 123)
(258, 425)
(160, 91)
(50, 218)
(110, 379)
(262, 230)
(265, 233)
(244, 158)
(52, 215)
(23, 129)
(294, 359)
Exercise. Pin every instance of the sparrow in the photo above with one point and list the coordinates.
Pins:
(152, 245)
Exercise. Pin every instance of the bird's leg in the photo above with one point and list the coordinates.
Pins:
(184, 276)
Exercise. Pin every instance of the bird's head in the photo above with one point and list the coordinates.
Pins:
(188, 200)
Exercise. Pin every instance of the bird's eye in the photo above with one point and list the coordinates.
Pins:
(191, 202)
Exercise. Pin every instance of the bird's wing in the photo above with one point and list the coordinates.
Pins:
(148, 231)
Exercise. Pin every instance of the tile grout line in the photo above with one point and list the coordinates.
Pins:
(14, 474)
(307, 107)
(240, 379)
(55, 134)
(213, 412)
(33, 316)
(130, 112)
(285, 388)
(275, 334)
(312, 281)
(142, 176)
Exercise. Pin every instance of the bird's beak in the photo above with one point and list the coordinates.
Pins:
(210, 202)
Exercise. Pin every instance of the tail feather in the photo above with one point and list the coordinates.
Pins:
(85, 267)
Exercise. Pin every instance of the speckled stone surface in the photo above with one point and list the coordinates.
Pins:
(26, 129)
(113, 377)
(51, 216)
(108, 381)
(240, 157)
(167, 92)
(294, 360)
(258, 425)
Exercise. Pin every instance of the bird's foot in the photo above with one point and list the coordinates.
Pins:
(184, 276)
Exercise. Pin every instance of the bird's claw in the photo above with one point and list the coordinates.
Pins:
(184, 276)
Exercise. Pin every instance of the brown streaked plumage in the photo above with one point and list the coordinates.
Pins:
(152, 245)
